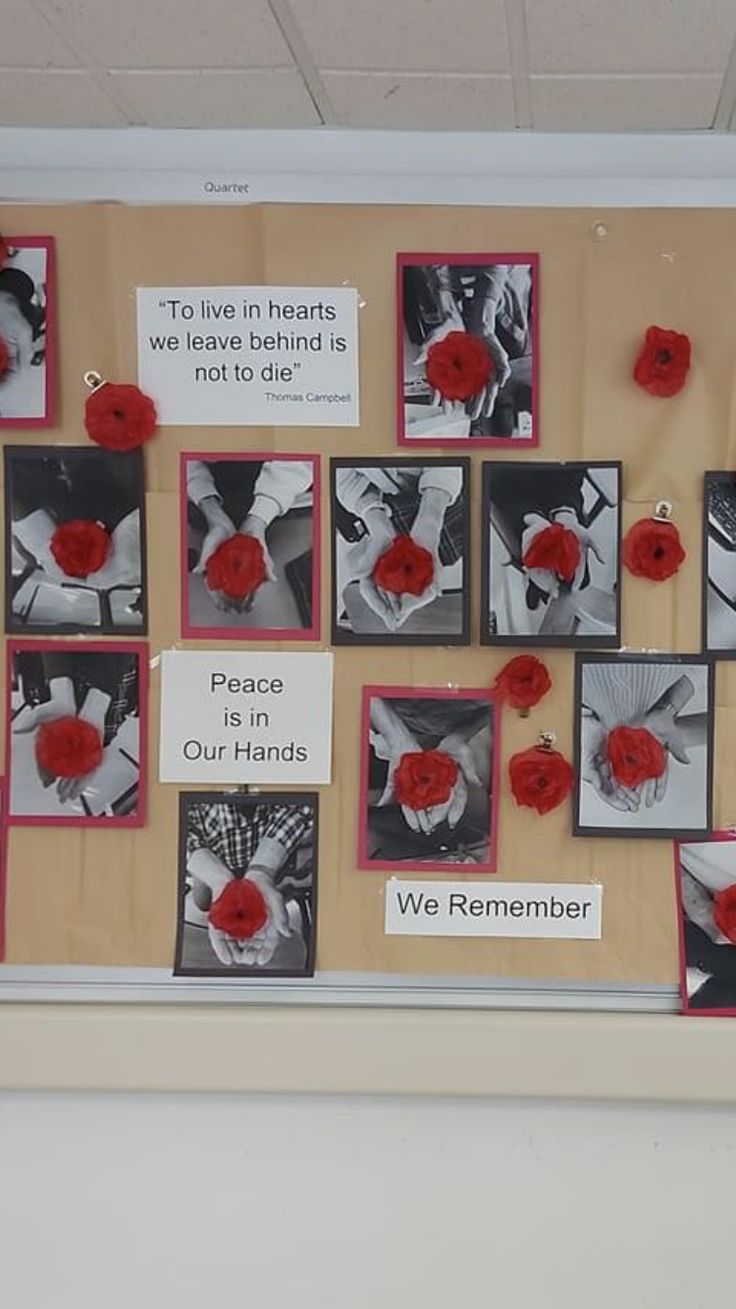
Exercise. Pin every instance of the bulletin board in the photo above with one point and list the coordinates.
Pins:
(107, 899)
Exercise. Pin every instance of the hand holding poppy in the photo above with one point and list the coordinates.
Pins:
(426, 533)
(555, 552)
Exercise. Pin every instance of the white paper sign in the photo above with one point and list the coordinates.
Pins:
(265, 355)
(528, 909)
(250, 717)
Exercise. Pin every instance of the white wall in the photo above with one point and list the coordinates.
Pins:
(262, 1203)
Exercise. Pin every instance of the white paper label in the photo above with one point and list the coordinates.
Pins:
(268, 355)
(526, 909)
(250, 717)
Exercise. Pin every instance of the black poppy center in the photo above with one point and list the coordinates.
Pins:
(658, 552)
(664, 356)
(119, 414)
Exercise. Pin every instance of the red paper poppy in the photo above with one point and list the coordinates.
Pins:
(540, 779)
(523, 681)
(119, 417)
(68, 747)
(3, 251)
(80, 547)
(458, 366)
(724, 911)
(664, 362)
(652, 548)
(237, 567)
(634, 755)
(555, 548)
(425, 778)
(4, 358)
(239, 910)
(405, 568)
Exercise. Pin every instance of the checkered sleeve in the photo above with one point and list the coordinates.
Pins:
(289, 824)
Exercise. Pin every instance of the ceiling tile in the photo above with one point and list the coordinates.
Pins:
(622, 104)
(438, 103)
(421, 35)
(261, 98)
(175, 33)
(27, 40)
(630, 36)
(45, 98)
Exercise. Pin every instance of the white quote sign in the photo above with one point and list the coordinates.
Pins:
(231, 717)
(525, 909)
(266, 355)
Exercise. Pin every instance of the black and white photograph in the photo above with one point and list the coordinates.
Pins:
(76, 730)
(719, 564)
(75, 541)
(400, 551)
(27, 332)
(705, 873)
(429, 779)
(468, 349)
(643, 745)
(247, 884)
(250, 546)
(551, 554)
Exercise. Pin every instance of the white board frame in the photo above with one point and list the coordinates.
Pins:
(379, 1047)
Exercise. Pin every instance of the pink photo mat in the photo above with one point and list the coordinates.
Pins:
(516, 444)
(138, 648)
(48, 244)
(688, 1011)
(428, 693)
(3, 862)
(312, 633)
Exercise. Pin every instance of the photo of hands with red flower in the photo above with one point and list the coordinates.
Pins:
(467, 347)
(428, 775)
(551, 554)
(249, 541)
(645, 740)
(74, 541)
(75, 740)
(247, 881)
(400, 550)
(706, 879)
(26, 318)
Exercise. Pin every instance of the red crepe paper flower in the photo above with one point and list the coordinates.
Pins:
(523, 681)
(68, 747)
(4, 252)
(239, 910)
(405, 568)
(119, 417)
(458, 366)
(724, 911)
(555, 548)
(4, 355)
(540, 779)
(237, 567)
(664, 362)
(425, 778)
(635, 755)
(652, 548)
(80, 547)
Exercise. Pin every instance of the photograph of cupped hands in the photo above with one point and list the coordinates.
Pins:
(467, 349)
(250, 534)
(428, 779)
(400, 552)
(644, 742)
(76, 734)
(705, 875)
(551, 547)
(247, 884)
(75, 541)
